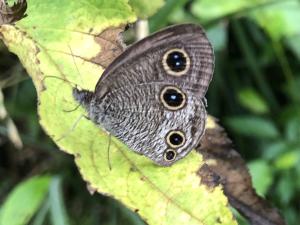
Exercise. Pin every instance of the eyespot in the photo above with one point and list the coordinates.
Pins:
(175, 139)
(172, 98)
(170, 155)
(176, 62)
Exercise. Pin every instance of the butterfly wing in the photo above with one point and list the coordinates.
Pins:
(151, 97)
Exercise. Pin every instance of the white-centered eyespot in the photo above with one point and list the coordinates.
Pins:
(170, 155)
(175, 138)
(176, 62)
(172, 98)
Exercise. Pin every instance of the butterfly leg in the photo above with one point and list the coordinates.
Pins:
(72, 128)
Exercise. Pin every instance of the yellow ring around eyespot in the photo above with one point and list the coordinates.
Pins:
(165, 153)
(175, 132)
(168, 106)
(167, 68)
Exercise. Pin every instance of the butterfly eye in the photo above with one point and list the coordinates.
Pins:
(170, 155)
(172, 98)
(176, 62)
(175, 139)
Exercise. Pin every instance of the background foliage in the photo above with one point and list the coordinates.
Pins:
(254, 93)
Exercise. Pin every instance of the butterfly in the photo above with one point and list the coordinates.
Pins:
(152, 96)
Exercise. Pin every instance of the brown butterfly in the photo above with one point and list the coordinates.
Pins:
(152, 97)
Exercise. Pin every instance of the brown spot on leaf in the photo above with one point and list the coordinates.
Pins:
(208, 177)
(223, 161)
(218, 220)
(111, 46)
(132, 169)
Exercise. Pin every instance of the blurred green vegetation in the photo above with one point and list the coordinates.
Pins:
(254, 93)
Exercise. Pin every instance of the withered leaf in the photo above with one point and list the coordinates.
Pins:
(225, 165)
(111, 44)
(11, 14)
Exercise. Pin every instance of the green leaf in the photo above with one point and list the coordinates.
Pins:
(253, 126)
(278, 18)
(250, 99)
(286, 188)
(57, 207)
(292, 130)
(74, 48)
(23, 202)
(143, 9)
(289, 159)
(41, 216)
(212, 9)
(262, 177)
(274, 149)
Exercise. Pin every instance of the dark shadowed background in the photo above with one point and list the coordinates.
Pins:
(255, 94)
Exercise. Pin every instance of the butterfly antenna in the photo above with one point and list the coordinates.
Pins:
(108, 152)
(72, 84)
(59, 78)
(73, 58)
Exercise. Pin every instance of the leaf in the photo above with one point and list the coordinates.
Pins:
(24, 201)
(286, 188)
(262, 176)
(288, 159)
(11, 14)
(249, 98)
(208, 10)
(225, 165)
(59, 52)
(143, 9)
(57, 207)
(292, 129)
(253, 126)
(212, 9)
(274, 149)
(278, 18)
